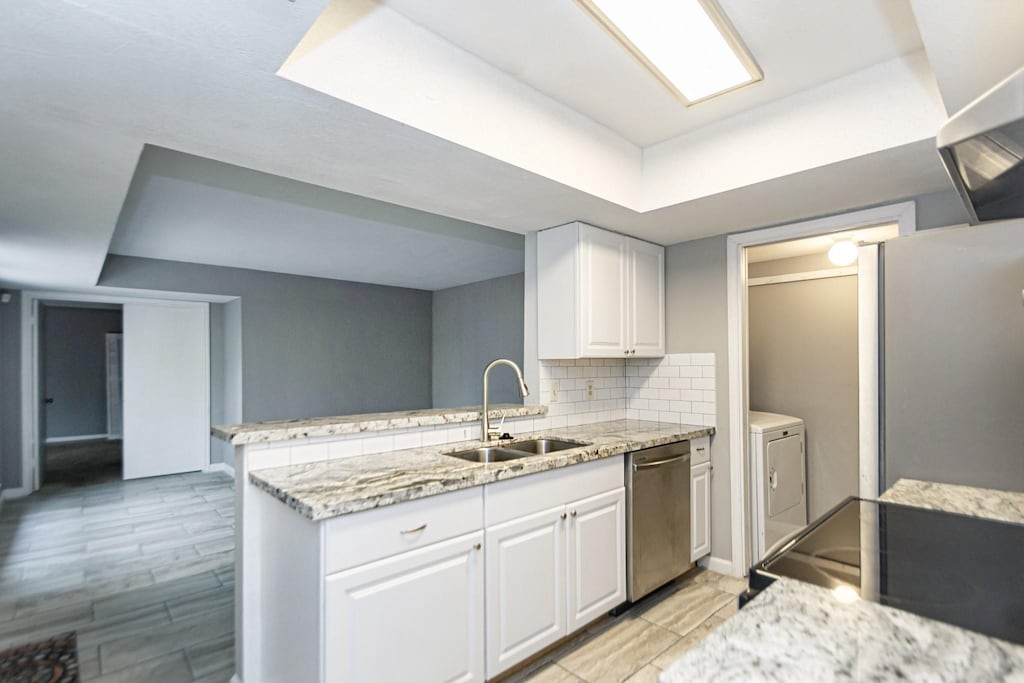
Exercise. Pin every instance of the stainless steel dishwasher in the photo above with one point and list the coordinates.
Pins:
(657, 517)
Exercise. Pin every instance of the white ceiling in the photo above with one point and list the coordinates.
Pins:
(556, 48)
(186, 208)
(89, 83)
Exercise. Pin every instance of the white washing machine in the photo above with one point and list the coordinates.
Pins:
(778, 478)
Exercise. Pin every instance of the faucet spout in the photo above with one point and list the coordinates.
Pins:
(485, 419)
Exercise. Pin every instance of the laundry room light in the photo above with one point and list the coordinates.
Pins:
(842, 253)
(689, 45)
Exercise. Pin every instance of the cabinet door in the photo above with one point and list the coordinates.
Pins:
(700, 519)
(597, 556)
(525, 587)
(417, 616)
(646, 299)
(602, 293)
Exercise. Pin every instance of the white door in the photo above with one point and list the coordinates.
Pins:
(525, 587)
(417, 616)
(603, 282)
(700, 517)
(597, 556)
(646, 299)
(166, 388)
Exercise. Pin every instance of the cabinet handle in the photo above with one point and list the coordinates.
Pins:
(421, 527)
(476, 546)
(563, 515)
(573, 513)
(626, 352)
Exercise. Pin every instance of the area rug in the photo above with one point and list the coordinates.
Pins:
(47, 661)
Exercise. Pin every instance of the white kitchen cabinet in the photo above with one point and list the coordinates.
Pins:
(418, 615)
(552, 572)
(700, 517)
(597, 541)
(599, 294)
(525, 587)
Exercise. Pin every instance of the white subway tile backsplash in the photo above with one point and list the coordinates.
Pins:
(271, 457)
(679, 388)
(378, 444)
(345, 448)
(310, 452)
(410, 439)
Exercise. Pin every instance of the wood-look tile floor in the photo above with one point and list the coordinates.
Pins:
(143, 570)
(636, 646)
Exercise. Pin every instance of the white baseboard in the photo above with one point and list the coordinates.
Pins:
(221, 467)
(717, 564)
(8, 494)
(80, 437)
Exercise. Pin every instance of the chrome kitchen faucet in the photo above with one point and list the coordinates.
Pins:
(486, 433)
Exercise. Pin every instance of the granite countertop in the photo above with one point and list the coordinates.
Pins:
(287, 430)
(795, 631)
(1004, 506)
(326, 489)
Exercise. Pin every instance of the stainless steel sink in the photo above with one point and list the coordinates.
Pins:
(542, 446)
(492, 454)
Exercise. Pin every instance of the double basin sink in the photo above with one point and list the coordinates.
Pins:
(516, 450)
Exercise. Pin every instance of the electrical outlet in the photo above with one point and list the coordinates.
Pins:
(590, 390)
(554, 392)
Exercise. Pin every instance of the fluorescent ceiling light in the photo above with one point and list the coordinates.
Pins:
(688, 44)
(843, 253)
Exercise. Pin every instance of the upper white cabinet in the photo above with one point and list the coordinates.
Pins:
(599, 294)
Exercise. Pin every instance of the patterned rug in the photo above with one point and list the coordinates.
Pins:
(48, 661)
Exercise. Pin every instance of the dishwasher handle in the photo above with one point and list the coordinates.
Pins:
(658, 463)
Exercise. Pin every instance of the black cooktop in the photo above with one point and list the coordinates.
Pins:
(962, 570)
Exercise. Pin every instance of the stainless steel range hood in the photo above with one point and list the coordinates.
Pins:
(982, 147)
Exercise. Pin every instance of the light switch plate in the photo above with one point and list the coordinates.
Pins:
(554, 392)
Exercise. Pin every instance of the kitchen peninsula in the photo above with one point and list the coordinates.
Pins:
(355, 531)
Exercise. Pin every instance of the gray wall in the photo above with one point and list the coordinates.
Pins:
(10, 396)
(310, 346)
(473, 325)
(954, 356)
(74, 359)
(803, 362)
(696, 321)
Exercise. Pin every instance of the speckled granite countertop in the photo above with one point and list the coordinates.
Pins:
(1005, 506)
(287, 430)
(795, 631)
(322, 490)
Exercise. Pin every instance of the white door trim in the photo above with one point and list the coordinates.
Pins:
(30, 437)
(904, 214)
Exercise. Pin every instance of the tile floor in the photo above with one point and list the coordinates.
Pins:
(143, 570)
(636, 646)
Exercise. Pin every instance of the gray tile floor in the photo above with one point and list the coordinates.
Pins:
(143, 570)
(636, 646)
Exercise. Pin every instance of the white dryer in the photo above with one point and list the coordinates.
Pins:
(778, 478)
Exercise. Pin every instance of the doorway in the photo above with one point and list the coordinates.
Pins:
(785, 268)
(803, 370)
(164, 389)
(80, 380)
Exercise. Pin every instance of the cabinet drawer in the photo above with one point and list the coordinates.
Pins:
(525, 495)
(355, 539)
(700, 450)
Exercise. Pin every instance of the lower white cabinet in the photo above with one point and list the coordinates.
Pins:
(454, 588)
(551, 573)
(525, 587)
(417, 616)
(597, 551)
(700, 517)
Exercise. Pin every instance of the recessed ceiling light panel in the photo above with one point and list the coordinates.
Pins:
(689, 45)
